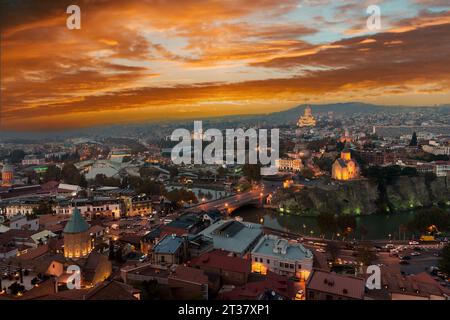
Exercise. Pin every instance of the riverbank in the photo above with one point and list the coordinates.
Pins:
(377, 226)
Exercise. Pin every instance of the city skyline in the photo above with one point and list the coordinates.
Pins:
(156, 60)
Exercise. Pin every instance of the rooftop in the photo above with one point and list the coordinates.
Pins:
(168, 244)
(337, 284)
(274, 246)
(233, 236)
(222, 260)
(76, 223)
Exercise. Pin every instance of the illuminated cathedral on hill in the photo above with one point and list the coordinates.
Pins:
(307, 120)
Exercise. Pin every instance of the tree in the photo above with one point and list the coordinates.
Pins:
(444, 263)
(363, 230)
(428, 220)
(409, 171)
(324, 163)
(307, 173)
(16, 288)
(151, 188)
(413, 142)
(16, 156)
(44, 207)
(222, 172)
(366, 255)
(252, 171)
(178, 196)
(333, 249)
(70, 174)
(53, 173)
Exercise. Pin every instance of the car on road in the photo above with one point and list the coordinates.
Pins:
(299, 295)
(404, 262)
(415, 254)
(404, 257)
(413, 243)
(320, 250)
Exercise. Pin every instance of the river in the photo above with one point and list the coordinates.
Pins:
(378, 226)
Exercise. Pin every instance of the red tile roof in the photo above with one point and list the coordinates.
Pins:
(336, 284)
(224, 260)
(253, 290)
(189, 274)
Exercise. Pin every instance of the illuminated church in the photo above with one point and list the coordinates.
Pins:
(345, 168)
(77, 241)
(307, 120)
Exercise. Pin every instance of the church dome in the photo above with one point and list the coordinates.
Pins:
(76, 223)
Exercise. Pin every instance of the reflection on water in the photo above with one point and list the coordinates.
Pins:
(377, 226)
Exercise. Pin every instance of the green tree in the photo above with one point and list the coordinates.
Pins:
(307, 173)
(16, 156)
(333, 249)
(222, 172)
(366, 254)
(53, 173)
(428, 220)
(252, 171)
(44, 207)
(413, 142)
(70, 174)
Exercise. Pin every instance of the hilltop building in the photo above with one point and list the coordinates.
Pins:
(77, 242)
(307, 120)
(345, 168)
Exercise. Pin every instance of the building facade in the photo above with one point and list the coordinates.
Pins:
(282, 257)
(345, 168)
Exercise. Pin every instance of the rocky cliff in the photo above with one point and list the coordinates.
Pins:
(362, 197)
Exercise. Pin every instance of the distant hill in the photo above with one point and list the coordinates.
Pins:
(281, 117)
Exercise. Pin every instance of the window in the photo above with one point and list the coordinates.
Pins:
(268, 261)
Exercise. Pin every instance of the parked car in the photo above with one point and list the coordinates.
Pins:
(415, 254)
(413, 243)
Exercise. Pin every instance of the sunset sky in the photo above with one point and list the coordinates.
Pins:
(148, 60)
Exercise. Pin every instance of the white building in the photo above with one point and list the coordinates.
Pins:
(442, 168)
(91, 207)
(30, 160)
(19, 208)
(293, 165)
(436, 149)
(282, 257)
(20, 222)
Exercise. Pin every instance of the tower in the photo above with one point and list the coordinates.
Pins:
(7, 175)
(345, 153)
(77, 242)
